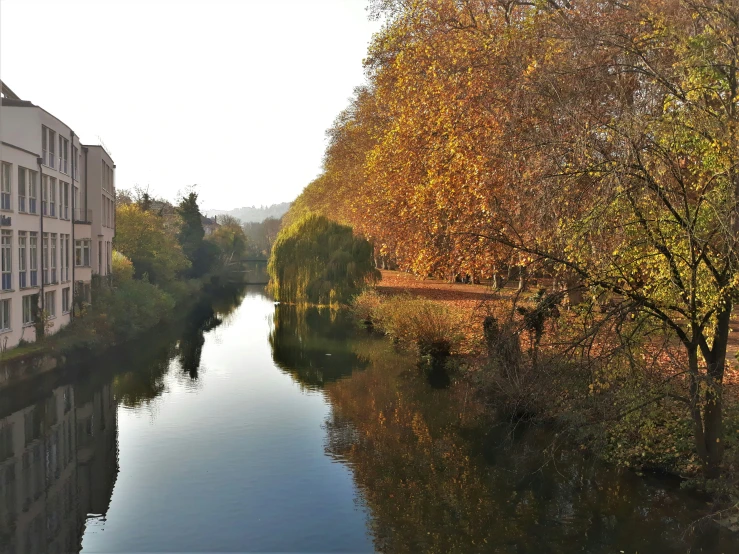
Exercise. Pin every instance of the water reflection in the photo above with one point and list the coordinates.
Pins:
(314, 345)
(59, 454)
(58, 463)
(439, 476)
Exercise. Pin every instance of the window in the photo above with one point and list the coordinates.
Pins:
(30, 307)
(22, 283)
(7, 258)
(53, 258)
(33, 257)
(52, 197)
(100, 257)
(21, 189)
(5, 189)
(82, 253)
(64, 200)
(44, 149)
(48, 140)
(45, 257)
(32, 183)
(44, 194)
(5, 315)
(50, 303)
(65, 300)
(82, 291)
(75, 164)
(76, 205)
(63, 155)
(66, 258)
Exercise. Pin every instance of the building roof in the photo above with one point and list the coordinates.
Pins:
(7, 93)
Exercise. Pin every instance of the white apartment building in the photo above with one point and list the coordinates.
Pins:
(57, 218)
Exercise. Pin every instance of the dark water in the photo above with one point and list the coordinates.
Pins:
(252, 427)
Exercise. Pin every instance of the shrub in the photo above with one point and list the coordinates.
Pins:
(365, 307)
(122, 268)
(433, 328)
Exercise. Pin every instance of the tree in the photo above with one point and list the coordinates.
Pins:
(318, 261)
(202, 255)
(230, 239)
(143, 237)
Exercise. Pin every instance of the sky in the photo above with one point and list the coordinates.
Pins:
(233, 96)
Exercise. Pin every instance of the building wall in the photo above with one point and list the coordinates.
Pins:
(65, 229)
(101, 202)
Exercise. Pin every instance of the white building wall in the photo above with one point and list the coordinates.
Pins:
(21, 128)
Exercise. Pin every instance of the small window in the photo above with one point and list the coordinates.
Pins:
(33, 257)
(50, 303)
(52, 197)
(52, 140)
(32, 185)
(22, 189)
(7, 265)
(5, 315)
(30, 307)
(5, 189)
(22, 245)
(65, 300)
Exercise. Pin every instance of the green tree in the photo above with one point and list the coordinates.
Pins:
(146, 240)
(318, 261)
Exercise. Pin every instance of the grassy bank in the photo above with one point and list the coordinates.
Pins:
(118, 314)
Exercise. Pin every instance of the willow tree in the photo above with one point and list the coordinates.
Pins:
(319, 261)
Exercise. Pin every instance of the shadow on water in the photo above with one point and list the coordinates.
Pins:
(59, 443)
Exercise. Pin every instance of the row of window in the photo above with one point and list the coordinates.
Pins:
(55, 195)
(59, 159)
(54, 248)
(31, 307)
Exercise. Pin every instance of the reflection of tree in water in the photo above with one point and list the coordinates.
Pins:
(313, 345)
(153, 353)
(192, 339)
(436, 479)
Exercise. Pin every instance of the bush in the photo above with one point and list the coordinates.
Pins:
(129, 309)
(433, 328)
(366, 307)
(122, 268)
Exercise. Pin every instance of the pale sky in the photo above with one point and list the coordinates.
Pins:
(231, 95)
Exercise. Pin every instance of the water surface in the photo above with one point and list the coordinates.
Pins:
(251, 427)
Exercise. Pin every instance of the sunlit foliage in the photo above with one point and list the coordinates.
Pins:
(318, 261)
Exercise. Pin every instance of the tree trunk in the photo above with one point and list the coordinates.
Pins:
(496, 284)
(574, 290)
(522, 278)
(713, 409)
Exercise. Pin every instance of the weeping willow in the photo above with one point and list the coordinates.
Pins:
(318, 261)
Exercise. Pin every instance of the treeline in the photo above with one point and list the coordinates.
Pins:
(161, 262)
(593, 142)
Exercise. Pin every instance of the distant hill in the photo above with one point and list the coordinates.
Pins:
(252, 214)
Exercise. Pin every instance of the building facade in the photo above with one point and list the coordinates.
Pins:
(57, 219)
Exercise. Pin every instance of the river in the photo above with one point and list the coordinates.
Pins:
(255, 427)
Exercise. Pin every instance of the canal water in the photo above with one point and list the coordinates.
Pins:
(263, 428)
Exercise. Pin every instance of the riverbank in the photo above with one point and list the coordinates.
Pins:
(626, 418)
(119, 316)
